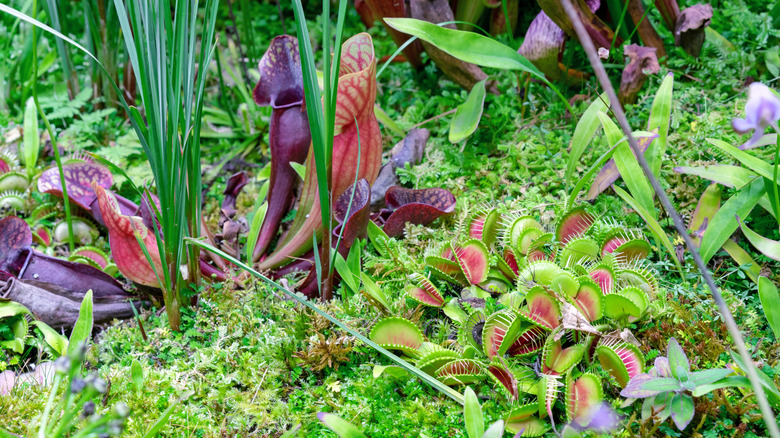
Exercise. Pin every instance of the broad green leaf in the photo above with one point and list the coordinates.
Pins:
(82, 330)
(31, 137)
(682, 410)
(254, 229)
(724, 223)
(472, 414)
(391, 370)
(628, 166)
(661, 384)
(401, 362)
(137, 375)
(757, 165)
(773, 193)
(341, 427)
(652, 224)
(374, 291)
(767, 247)
(55, 340)
(385, 120)
(727, 382)
(466, 46)
(12, 308)
(378, 238)
(660, 118)
(743, 259)
(726, 174)
(163, 420)
(496, 430)
(769, 385)
(468, 114)
(770, 302)
(707, 377)
(677, 359)
(345, 273)
(584, 132)
(300, 169)
(708, 205)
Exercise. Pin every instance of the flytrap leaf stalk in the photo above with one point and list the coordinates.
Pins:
(601, 74)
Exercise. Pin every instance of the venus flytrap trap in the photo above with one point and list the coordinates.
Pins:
(540, 309)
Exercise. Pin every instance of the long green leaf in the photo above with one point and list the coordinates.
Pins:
(472, 415)
(55, 340)
(770, 302)
(404, 364)
(743, 259)
(724, 223)
(756, 165)
(163, 420)
(767, 247)
(466, 46)
(588, 175)
(628, 166)
(340, 427)
(468, 114)
(31, 138)
(584, 132)
(82, 330)
(471, 47)
(729, 176)
(660, 119)
(652, 224)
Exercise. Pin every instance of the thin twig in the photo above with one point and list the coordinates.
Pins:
(601, 73)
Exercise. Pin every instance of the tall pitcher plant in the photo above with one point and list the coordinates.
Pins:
(346, 142)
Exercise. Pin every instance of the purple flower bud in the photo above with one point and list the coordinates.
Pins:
(762, 110)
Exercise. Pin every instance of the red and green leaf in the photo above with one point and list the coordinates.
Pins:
(621, 360)
(504, 378)
(499, 332)
(589, 299)
(529, 341)
(604, 275)
(122, 233)
(474, 261)
(461, 372)
(424, 291)
(573, 224)
(396, 333)
(542, 309)
(583, 397)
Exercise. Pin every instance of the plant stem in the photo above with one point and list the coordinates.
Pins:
(601, 73)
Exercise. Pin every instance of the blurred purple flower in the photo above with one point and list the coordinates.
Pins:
(762, 110)
(604, 419)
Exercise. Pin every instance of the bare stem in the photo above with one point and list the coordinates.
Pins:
(601, 73)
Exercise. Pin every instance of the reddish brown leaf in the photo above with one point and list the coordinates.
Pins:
(642, 61)
(420, 207)
(14, 235)
(78, 176)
